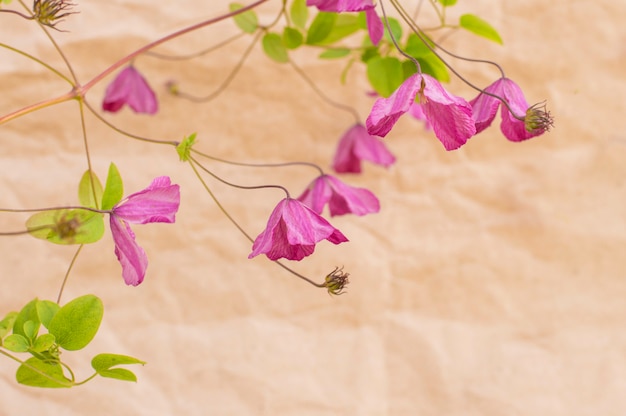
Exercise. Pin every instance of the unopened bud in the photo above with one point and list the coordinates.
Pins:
(336, 281)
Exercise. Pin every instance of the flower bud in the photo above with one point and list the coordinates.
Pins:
(336, 281)
(50, 12)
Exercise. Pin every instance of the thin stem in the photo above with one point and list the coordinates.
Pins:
(239, 186)
(321, 94)
(236, 224)
(38, 106)
(393, 38)
(39, 61)
(67, 273)
(259, 165)
(195, 54)
(125, 133)
(87, 155)
(27, 17)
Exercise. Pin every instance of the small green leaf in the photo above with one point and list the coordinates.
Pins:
(46, 309)
(385, 75)
(86, 193)
(16, 343)
(30, 374)
(6, 324)
(247, 21)
(114, 189)
(416, 48)
(480, 27)
(334, 53)
(396, 30)
(274, 48)
(320, 27)
(344, 26)
(102, 362)
(292, 38)
(43, 343)
(433, 66)
(77, 322)
(447, 3)
(184, 148)
(119, 374)
(299, 13)
(31, 328)
(76, 226)
(28, 313)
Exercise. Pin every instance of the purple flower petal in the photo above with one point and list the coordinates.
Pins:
(129, 87)
(386, 111)
(356, 145)
(132, 257)
(159, 202)
(375, 26)
(341, 5)
(341, 198)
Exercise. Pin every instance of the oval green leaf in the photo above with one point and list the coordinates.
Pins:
(274, 48)
(76, 226)
(6, 324)
(385, 75)
(299, 13)
(102, 362)
(344, 26)
(335, 53)
(77, 322)
(320, 27)
(28, 313)
(119, 374)
(16, 343)
(43, 343)
(246, 21)
(396, 30)
(46, 309)
(37, 373)
(292, 38)
(480, 27)
(86, 191)
(114, 188)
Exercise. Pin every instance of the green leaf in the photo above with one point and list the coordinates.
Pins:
(274, 48)
(447, 3)
(480, 27)
(369, 53)
(76, 226)
(114, 189)
(31, 328)
(433, 66)
(85, 192)
(292, 38)
(385, 75)
(184, 148)
(16, 343)
(320, 27)
(344, 26)
(77, 322)
(119, 374)
(6, 324)
(43, 343)
(247, 21)
(46, 309)
(396, 30)
(334, 53)
(415, 47)
(299, 13)
(102, 362)
(28, 313)
(29, 374)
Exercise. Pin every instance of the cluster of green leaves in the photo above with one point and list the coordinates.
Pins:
(70, 327)
(386, 67)
(80, 226)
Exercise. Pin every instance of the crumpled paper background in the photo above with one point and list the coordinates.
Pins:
(491, 283)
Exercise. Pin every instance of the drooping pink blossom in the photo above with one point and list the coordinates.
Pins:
(341, 5)
(450, 116)
(375, 26)
(159, 202)
(292, 231)
(341, 198)
(130, 87)
(357, 145)
(485, 108)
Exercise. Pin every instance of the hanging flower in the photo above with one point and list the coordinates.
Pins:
(533, 121)
(341, 5)
(356, 145)
(292, 231)
(341, 198)
(129, 87)
(449, 116)
(157, 203)
(375, 27)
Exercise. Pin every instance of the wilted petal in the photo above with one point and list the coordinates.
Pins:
(375, 26)
(356, 145)
(341, 5)
(386, 111)
(132, 257)
(159, 202)
(292, 231)
(129, 87)
(450, 116)
(341, 198)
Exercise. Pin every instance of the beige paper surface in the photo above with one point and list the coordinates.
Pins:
(491, 283)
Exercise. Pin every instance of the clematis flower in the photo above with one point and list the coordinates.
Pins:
(535, 120)
(449, 116)
(292, 231)
(157, 203)
(356, 145)
(375, 26)
(341, 198)
(341, 5)
(129, 87)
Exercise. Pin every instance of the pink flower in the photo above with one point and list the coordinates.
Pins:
(449, 116)
(292, 231)
(157, 203)
(375, 26)
(129, 87)
(534, 122)
(341, 5)
(341, 198)
(356, 145)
